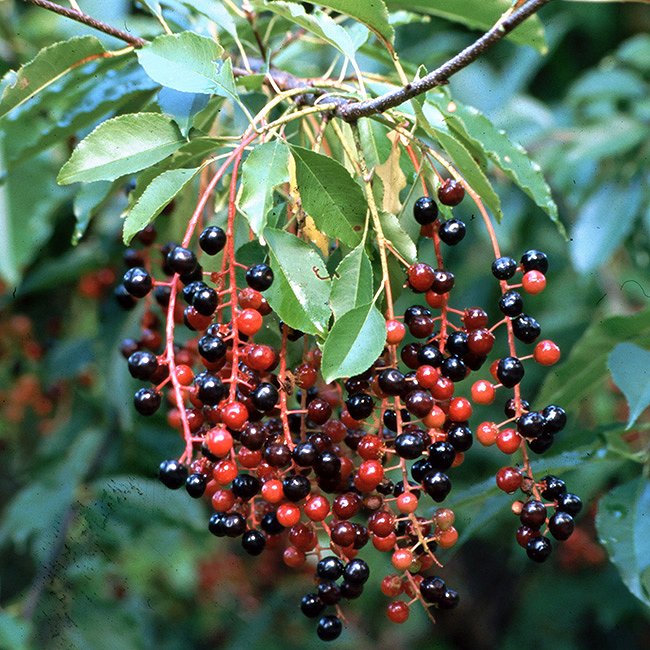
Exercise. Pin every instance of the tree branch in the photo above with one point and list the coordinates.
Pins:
(351, 112)
(347, 110)
(81, 17)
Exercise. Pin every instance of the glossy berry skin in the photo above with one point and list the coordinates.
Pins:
(425, 210)
(460, 437)
(212, 240)
(441, 455)
(311, 605)
(259, 277)
(124, 299)
(329, 628)
(569, 503)
(509, 479)
(511, 304)
(420, 277)
(552, 487)
(147, 401)
(433, 589)
(181, 260)
(443, 281)
(526, 328)
(409, 445)
(534, 260)
(212, 348)
(253, 542)
(452, 232)
(533, 514)
(531, 424)
(330, 568)
(437, 485)
(360, 406)
(454, 368)
(561, 525)
(172, 474)
(429, 355)
(195, 485)
(391, 381)
(205, 301)
(296, 487)
(504, 268)
(449, 600)
(398, 611)
(539, 549)
(510, 371)
(534, 282)
(142, 365)
(137, 282)
(451, 192)
(265, 397)
(356, 572)
(210, 389)
(554, 418)
(546, 353)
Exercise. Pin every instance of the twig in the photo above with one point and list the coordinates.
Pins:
(345, 109)
(351, 112)
(81, 17)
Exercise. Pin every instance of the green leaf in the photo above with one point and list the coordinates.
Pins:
(604, 140)
(580, 376)
(354, 343)
(85, 205)
(624, 529)
(47, 66)
(636, 52)
(216, 12)
(372, 13)
(330, 196)
(301, 290)
(478, 14)
(398, 237)
(317, 22)
(266, 167)
(154, 7)
(14, 631)
(429, 119)
(616, 83)
(630, 368)
(352, 285)
(182, 107)
(596, 234)
(120, 146)
(158, 193)
(29, 199)
(189, 63)
(494, 143)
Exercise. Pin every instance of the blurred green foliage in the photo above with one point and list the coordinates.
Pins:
(95, 555)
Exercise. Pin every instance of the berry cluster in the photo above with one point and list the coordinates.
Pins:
(324, 470)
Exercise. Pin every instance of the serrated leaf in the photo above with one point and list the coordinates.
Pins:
(585, 370)
(372, 13)
(429, 120)
(317, 22)
(189, 63)
(46, 67)
(354, 343)
(301, 289)
(596, 235)
(630, 368)
(478, 14)
(398, 237)
(624, 529)
(158, 193)
(352, 285)
(266, 167)
(330, 196)
(508, 156)
(120, 146)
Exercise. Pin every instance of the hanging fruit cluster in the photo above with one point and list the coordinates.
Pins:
(327, 471)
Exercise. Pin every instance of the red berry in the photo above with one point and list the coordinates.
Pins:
(509, 479)
(407, 502)
(249, 321)
(420, 277)
(451, 192)
(534, 282)
(219, 442)
(546, 353)
(475, 318)
(288, 515)
(436, 300)
(397, 611)
(391, 586)
(460, 409)
(272, 491)
(480, 342)
(443, 389)
(402, 559)
(317, 508)
(487, 433)
(234, 415)
(427, 376)
(395, 332)
(185, 375)
(483, 392)
(224, 472)
(508, 441)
